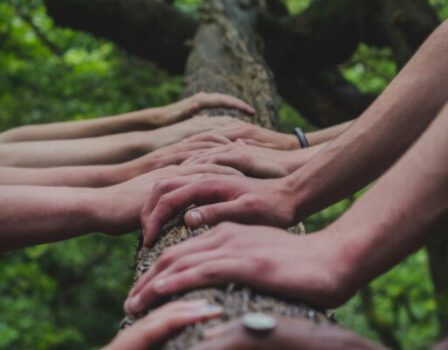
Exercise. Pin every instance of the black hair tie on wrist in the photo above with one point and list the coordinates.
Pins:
(302, 138)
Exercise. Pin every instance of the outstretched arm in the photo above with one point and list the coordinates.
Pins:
(144, 119)
(382, 134)
(39, 214)
(108, 149)
(392, 220)
(104, 175)
(361, 154)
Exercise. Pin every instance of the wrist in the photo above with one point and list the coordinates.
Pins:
(110, 211)
(300, 193)
(292, 160)
(353, 252)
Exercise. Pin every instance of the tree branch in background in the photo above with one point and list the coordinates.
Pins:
(379, 325)
(27, 18)
(151, 29)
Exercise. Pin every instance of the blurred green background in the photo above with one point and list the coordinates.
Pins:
(68, 295)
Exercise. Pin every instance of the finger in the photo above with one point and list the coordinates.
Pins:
(158, 190)
(204, 242)
(189, 261)
(208, 137)
(208, 169)
(197, 145)
(252, 142)
(221, 100)
(212, 214)
(209, 273)
(174, 316)
(147, 291)
(164, 206)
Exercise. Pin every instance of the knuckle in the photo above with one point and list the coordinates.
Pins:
(209, 272)
(252, 203)
(165, 201)
(200, 95)
(160, 187)
(166, 259)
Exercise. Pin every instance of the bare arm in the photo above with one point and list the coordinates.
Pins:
(38, 214)
(328, 134)
(104, 175)
(326, 268)
(145, 119)
(396, 216)
(382, 134)
(109, 149)
(361, 154)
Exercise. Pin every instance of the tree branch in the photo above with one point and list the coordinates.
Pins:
(147, 28)
(303, 51)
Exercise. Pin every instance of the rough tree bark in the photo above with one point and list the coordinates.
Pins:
(225, 58)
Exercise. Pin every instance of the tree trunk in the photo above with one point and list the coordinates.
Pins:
(225, 58)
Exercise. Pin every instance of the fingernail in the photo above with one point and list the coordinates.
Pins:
(134, 304)
(209, 310)
(195, 217)
(159, 285)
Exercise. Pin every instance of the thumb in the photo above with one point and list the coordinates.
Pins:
(213, 214)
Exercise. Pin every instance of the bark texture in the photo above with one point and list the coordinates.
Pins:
(225, 58)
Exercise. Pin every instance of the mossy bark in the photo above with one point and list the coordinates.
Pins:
(225, 58)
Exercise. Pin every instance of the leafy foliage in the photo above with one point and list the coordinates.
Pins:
(68, 295)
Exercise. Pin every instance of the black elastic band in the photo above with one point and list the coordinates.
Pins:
(302, 138)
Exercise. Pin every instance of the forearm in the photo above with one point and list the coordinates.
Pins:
(33, 215)
(133, 121)
(110, 149)
(395, 217)
(381, 135)
(296, 159)
(328, 134)
(70, 176)
(90, 151)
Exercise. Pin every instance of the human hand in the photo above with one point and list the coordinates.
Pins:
(251, 160)
(189, 129)
(160, 323)
(118, 207)
(172, 154)
(191, 105)
(289, 334)
(239, 199)
(306, 268)
(254, 135)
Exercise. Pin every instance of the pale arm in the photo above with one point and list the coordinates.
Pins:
(32, 215)
(144, 119)
(396, 216)
(328, 134)
(108, 149)
(39, 214)
(325, 268)
(104, 175)
(382, 134)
